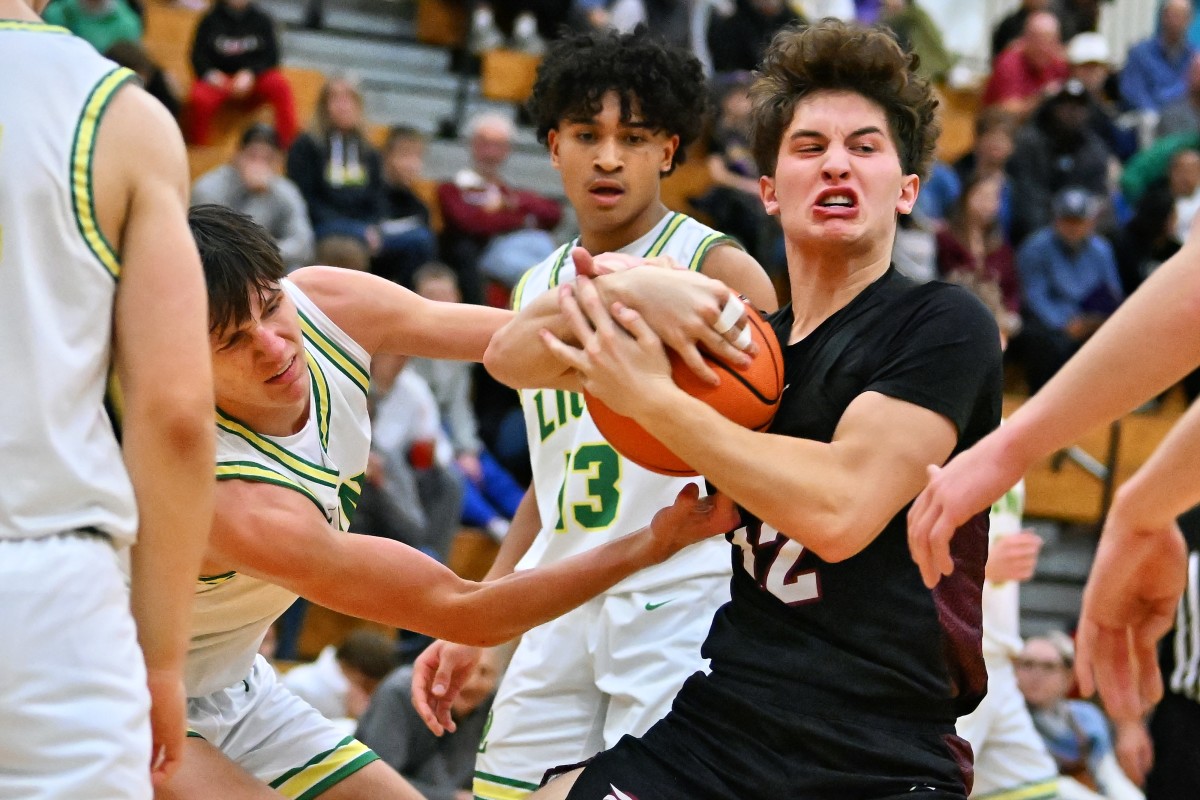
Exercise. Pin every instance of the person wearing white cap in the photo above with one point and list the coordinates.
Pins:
(1090, 59)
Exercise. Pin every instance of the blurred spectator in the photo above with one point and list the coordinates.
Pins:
(1075, 731)
(523, 25)
(1054, 150)
(1155, 72)
(407, 214)
(973, 244)
(914, 250)
(1183, 181)
(1078, 16)
(341, 177)
(101, 23)
(1150, 164)
(918, 33)
(161, 86)
(1069, 286)
(1183, 115)
(1009, 29)
(1147, 240)
(410, 494)
(440, 768)
(491, 495)
(252, 184)
(994, 129)
(1088, 56)
(339, 684)
(492, 228)
(939, 193)
(733, 203)
(736, 42)
(1028, 69)
(670, 20)
(235, 56)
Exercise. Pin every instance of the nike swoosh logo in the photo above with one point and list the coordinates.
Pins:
(617, 794)
(652, 606)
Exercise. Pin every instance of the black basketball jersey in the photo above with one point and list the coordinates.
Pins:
(865, 636)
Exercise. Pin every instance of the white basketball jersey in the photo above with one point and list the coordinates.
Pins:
(58, 278)
(587, 493)
(1002, 601)
(325, 462)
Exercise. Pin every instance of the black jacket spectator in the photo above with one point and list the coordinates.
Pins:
(230, 41)
(736, 43)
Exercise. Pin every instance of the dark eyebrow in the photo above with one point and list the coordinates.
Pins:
(807, 134)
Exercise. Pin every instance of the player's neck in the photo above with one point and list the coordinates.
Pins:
(823, 284)
(270, 420)
(18, 9)
(598, 240)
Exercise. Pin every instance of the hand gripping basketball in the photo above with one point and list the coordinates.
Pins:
(747, 395)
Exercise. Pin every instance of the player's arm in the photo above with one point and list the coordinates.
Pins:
(164, 370)
(834, 498)
(442, 669)
(384, 317)
(278, 535)
(1150, 343)
(684, 306)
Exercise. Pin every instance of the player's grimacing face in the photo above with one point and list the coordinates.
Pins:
(611, 167)
(838, 176)
(261, 363)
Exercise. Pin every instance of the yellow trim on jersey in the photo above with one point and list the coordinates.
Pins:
(497, 787)
(519, 291)
(308, 470)
(31, 27)
(216, 580)
(1038, 790)
(250, 471)
(324, 770)
(562, 259)
(666, 234)
(358, 373)
(708, 243)
(321, 394)
(83, 200)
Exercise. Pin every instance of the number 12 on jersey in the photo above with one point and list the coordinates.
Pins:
(773, 561)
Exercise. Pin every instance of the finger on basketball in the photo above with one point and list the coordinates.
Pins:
(634, 324)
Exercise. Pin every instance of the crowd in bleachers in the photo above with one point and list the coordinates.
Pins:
(1082, 177)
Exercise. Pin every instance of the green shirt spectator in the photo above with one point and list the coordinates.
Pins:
(101, 23)
(1150, 164)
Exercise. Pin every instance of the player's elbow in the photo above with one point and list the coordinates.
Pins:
(836, 531)
(181, 421)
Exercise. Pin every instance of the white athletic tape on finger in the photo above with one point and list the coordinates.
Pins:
(730, 314)
(743, 338)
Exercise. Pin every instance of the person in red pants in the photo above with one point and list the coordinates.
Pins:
(236, 59)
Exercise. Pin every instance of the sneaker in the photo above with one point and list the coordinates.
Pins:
(484, 34)
(525, 35)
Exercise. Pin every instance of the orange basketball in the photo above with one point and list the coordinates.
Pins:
(747, 395)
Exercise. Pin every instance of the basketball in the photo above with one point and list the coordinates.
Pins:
(747, 395)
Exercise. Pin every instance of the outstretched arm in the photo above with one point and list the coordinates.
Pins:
(384, 317)
(441, 670)
(1151, 342)
(278, 535)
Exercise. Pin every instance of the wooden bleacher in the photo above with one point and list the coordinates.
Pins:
(1061, 489)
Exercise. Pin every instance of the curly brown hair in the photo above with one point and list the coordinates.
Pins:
(832, 55)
